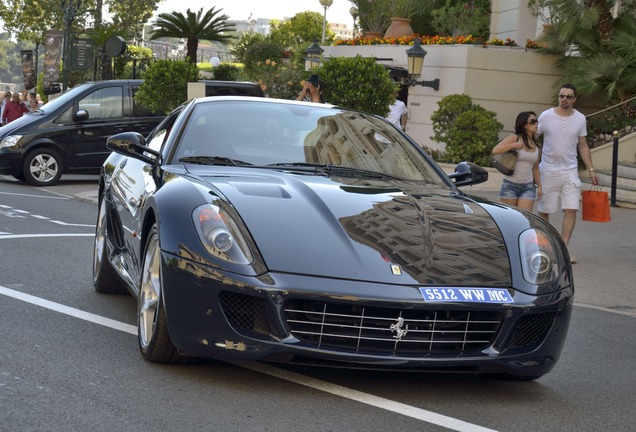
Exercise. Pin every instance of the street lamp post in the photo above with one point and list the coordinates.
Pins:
(70, 9)
(325, 4)
(415, 56)
(314, 52)
(354, 14)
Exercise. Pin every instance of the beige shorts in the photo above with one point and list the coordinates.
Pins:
(560, 188)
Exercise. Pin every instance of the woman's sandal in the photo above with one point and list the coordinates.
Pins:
(572, 259)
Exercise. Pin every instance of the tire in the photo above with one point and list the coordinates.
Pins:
(42, 167)
(152, 328)
(105, 278)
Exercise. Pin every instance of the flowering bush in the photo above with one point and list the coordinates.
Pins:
(276, 80)
(499, 42)
(428, 40)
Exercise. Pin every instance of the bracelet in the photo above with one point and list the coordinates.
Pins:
(591, 169)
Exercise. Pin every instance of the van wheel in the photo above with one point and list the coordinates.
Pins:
(42, 167)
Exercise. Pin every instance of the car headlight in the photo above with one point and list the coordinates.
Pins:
(220, 235)
(10, 141)
(541, 257)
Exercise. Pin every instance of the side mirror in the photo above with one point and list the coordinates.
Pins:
(468, 173)
(133, 144)
(81, 115)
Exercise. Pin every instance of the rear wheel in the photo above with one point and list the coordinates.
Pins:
(105, 278)
(42, 167)
(152, 328)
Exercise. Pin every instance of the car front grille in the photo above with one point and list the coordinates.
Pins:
(385, 331)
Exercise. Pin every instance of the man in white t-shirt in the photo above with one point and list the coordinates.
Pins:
(398, 114)
(564, 131)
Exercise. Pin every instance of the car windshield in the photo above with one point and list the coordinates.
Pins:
(302, 138)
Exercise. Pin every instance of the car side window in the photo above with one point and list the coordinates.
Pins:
(104, 103)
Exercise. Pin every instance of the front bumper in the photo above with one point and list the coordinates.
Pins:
(300, 319)
(10, 163)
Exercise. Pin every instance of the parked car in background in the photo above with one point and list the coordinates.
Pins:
(263, 229)
(68, 134)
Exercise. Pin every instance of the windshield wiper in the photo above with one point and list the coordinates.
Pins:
(361, 172)
(337, 169)
(213, 160)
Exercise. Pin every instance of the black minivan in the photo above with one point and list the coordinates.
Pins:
(68, 134)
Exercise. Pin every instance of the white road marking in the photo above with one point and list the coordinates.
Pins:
(72, 224)
(20, 212)
(35, 196)
(57, 307)
(334, 389)
(18, 236)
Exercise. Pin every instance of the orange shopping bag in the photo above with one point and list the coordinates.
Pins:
(596, 205)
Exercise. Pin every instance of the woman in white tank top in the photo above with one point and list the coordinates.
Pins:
(523, 187)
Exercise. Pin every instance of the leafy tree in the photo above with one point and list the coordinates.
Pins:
(468, 130)
(137, 58)
(459, 17)
(194, 27)
(277, 80)
(226, 72)
(29, 19)
(300, 30)
(597, 48)
(358, 83)
(260, 52)
(166, 84)
(130, 16)
(242, 45)
(10, 66)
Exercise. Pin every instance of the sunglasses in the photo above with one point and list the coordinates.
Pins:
(564, 96)
(533, 121)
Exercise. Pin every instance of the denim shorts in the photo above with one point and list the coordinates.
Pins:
(517, 190)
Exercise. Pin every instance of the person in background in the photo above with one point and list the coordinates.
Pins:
(312, 90)
(398, 114)
(33, 104)
(523, 187)
(13, 109)
(564, 131)
(5, 99)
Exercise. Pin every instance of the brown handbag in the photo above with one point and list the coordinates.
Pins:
(505, 162)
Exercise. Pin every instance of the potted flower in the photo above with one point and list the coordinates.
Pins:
(374, 16)
(401, 13)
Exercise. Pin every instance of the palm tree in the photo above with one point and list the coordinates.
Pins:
(597, 49)
(193, 27)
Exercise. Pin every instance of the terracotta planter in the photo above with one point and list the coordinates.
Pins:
(373, 35)
(399, 27)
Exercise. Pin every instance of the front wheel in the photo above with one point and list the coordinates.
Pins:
(42, 167)
(152, 328)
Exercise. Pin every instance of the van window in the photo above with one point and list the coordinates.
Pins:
(104, 103)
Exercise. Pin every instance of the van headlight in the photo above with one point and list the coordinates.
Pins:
(10, 141)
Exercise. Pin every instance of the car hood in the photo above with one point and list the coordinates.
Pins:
(380, 231)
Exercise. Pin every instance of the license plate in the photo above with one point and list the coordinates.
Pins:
(466, 295)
